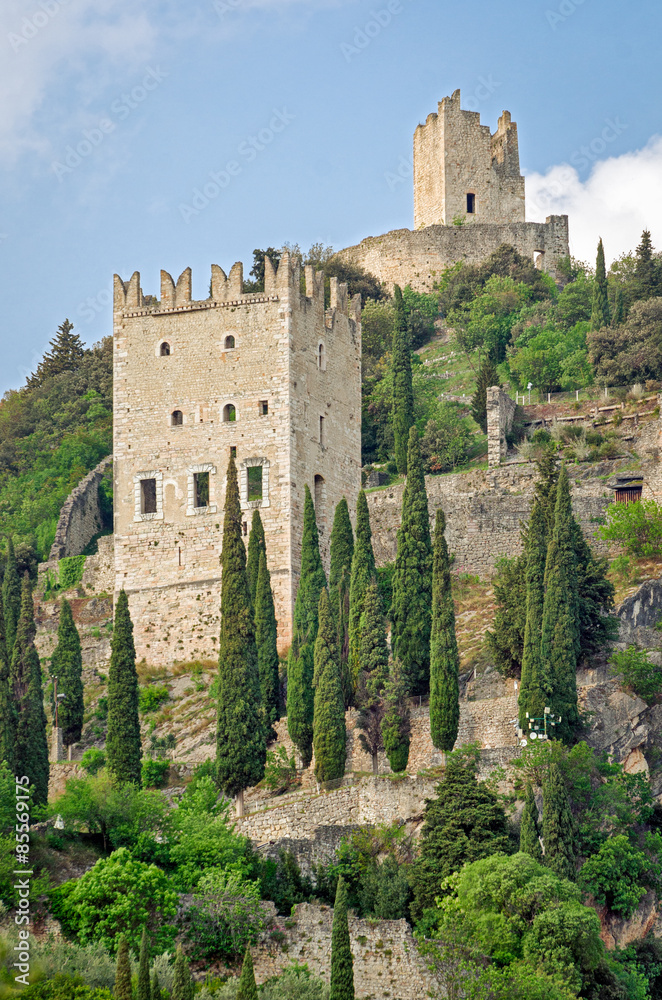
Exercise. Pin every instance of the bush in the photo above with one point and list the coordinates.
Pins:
(281, 881)
(92, 963)
(280, 771)
(614, 876)
(226, 917)
(636, 672)
(151, 698)
(93, 760)
(154, 772)
(70, 571)
(63, 987)
(638, 526)
(446, 441)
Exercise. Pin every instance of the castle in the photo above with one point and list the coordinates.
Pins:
(468, 201)
(273, 379)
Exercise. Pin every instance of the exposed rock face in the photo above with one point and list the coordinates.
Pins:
(640, 613)
(617, 932)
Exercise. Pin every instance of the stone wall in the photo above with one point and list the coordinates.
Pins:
(99, 573)
(500, 412)
(485, 510)
(80, 517)
(387, 965)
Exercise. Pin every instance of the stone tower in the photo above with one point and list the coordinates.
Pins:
(462, 171)
(273, 378)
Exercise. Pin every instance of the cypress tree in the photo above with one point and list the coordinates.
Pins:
(342, 962)
(412, 580)
(534, 690)
(266, 640)
(487, 377)
(122, 989)
(256, 544)
(560, 634)
(600, 315)
(403, 393)
(342, 550)
(300, 666)
(144, 988)
(444, 655)
(529, 841)
(31, 746)
(240, 733)
(247, 985)
(156, 987)
(373, 676)
(8, 719)
(123, 748)
(67, 666)
(182, 985)
(363, 571)
(329, 722)
(11, 596)
(646, 269)
(343, 637)
(396, 723)
(557, 825)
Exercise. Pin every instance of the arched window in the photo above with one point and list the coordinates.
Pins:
(229, 413)
(165, 349)
(176, 418)
(321, 358)
(229, 342)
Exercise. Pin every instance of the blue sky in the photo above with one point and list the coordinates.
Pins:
(113, 113)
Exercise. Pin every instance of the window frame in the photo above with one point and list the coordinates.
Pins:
(244, 466)
(137, 496)
(191, 473)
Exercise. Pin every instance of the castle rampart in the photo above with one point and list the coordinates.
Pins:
(272, 377)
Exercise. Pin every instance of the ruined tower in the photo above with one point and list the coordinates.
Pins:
(273, 378)
(462, 172)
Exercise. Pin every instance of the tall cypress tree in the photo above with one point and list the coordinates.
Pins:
(557, 825)
(647, 270)
(144, 987)
(240, 733)
(300, 665)
(444, 655)
(247, 985)
(266, 640)
(11, 596)
(182, 984)
(123, 747)
(8, 718)
(396, 723)
(534, 689)
(487, 377)
(363, 571)
(67, 666)
(560, 632)
(600, 315)
(122, 989)
(342, 550)
(156, 987)
(329, 736)
(411, 609)
(373, 676)
(346, 678)
(529, 841)
(31, 746)
(256, 544)
(342, 962)
(403, 393)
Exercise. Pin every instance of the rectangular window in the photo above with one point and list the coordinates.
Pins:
(244, 527)
(233, 451)
(254, 482)
(148, 496)
(471, 204)
(322, 431)
(264, 407)
(201, 489)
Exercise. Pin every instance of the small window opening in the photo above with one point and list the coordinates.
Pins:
(177, 418)
(321, 359)
(165, 350)
(320, 501)
(244, 527)
(233, 451)
(471, 204)
(148, 496)
(264, 407)
(229, 413)
(322, 431)
(254, 482)
(229, 342)
(201, 488)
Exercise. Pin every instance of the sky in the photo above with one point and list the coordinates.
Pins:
(149, 134)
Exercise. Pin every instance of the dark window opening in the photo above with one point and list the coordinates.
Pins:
(165, 350)
(244, 527)
(320, 501)
(471, 204)
(229, 413)
(322, 431)
(254, 482)
(148, 496)
(177, 418)
(201, 489)
(264, 407)
(229, 343)
(233, 451)
(321, 360)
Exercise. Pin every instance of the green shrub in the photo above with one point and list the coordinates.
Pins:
(638, 526)
(226, 917)
(92, 963)
(615, 876)
(102, 708)
(280, 771)
(635, 671)
(151, 698)
(93, 760)
(70, 571)
(154, 772)
(63, 987)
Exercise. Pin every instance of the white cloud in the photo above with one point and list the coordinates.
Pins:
(621, 197)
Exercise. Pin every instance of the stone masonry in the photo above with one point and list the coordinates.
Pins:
(273, 378)
(500, 413)
(80, 517)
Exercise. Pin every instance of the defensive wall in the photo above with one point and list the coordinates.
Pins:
(80, 518)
